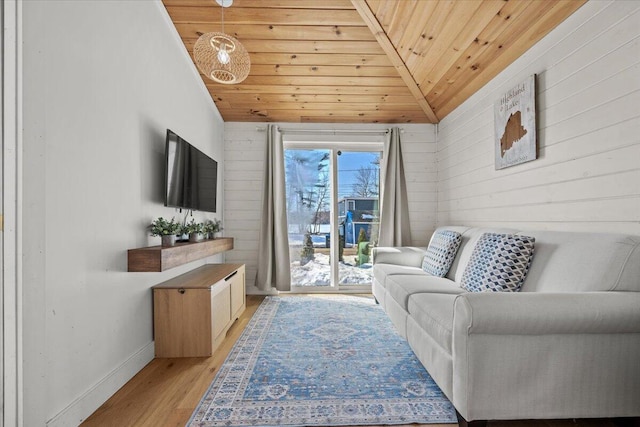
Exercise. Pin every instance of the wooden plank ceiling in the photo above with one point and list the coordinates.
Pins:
(365, 61)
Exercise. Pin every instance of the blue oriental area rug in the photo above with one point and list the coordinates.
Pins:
(321, 361)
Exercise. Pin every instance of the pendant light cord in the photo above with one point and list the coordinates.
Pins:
(222, 6)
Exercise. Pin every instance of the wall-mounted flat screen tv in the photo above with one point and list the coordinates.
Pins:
(191, 176)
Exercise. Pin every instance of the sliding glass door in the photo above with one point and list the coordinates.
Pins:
(309, 190)
(332, 211)
(358, 174)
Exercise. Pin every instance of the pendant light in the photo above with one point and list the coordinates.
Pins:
(220, 57)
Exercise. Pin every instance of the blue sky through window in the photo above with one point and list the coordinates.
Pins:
(349, 162)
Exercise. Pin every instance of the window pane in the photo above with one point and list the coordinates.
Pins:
(358, 188)
(308, 214)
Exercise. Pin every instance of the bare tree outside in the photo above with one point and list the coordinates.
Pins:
(366, 182)
(307, 188)
(322, 203)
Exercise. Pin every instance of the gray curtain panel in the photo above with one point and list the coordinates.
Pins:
(394, 209)
(274, 267)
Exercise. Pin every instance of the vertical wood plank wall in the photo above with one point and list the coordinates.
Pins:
(587, 176)
(243, 185)
(244, 151)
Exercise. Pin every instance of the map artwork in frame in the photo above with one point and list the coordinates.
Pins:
(515, 125)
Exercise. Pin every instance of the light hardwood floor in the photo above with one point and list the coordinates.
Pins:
(166, 391)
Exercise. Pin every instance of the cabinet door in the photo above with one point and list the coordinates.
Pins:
(182, 322)
(220, 308)
(238, 293)
(196, 336)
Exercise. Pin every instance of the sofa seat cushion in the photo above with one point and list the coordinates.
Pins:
(381, 272)
(433, 312)
(401, 287)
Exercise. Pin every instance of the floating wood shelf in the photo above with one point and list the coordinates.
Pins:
(161, 258)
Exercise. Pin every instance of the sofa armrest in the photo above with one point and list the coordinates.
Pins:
(527, 313)
(405, 255)
(518, 355)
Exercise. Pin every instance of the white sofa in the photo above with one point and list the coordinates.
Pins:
(566, 346)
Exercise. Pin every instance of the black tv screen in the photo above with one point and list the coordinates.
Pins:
(191, 176)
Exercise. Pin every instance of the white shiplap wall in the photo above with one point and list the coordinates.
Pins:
(243, 184)
(587, 176)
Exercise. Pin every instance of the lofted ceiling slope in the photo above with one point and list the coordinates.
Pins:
(365, 61)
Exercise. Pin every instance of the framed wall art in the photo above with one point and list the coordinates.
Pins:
(515, 125)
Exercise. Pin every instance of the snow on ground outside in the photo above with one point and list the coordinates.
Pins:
(318, 273)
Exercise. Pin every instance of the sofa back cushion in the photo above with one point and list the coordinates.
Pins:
(583, 262)
(565, 261)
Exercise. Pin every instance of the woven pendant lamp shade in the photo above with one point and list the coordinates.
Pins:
(221, 58)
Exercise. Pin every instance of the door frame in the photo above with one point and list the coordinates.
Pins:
(10, 226)
(334, 147)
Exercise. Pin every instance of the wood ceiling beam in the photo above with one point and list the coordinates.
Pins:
(280, 32)
(322, 116)
(215, 88)
(347, 106)
(320, 59)
(272, 4)
(304, 46)
(325, 70)
(323, 81)
(273, 98)
(262, 16)
(372, 22)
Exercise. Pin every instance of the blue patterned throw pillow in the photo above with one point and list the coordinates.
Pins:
(499, 262)
(441, 252)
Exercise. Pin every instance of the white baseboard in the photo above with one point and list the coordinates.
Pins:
(92, 399)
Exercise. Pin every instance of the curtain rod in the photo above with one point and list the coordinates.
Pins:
(331, 131)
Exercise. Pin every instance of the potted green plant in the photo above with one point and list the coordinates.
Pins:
(194, 230)
(363, 248)
(207, 229)
(212, 228)
(166, 229)
(307, 251)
